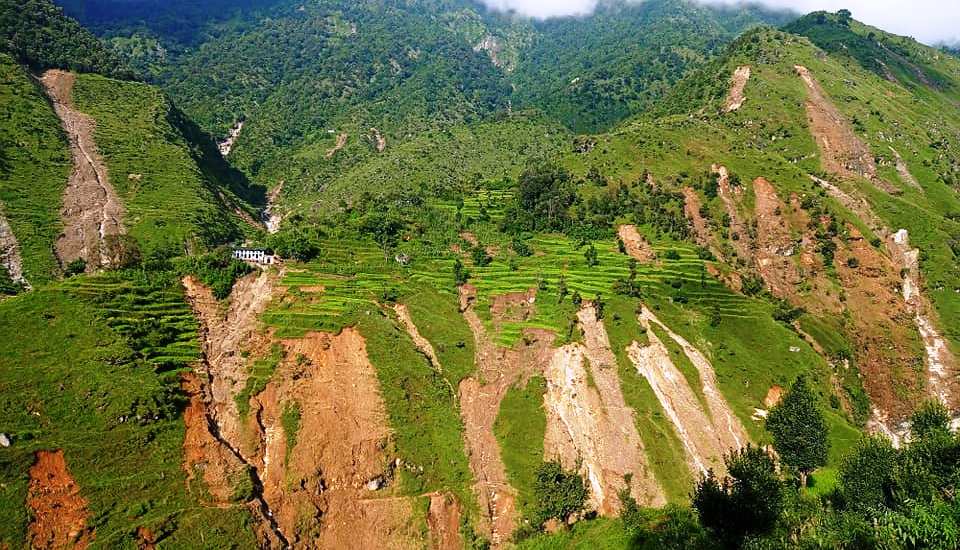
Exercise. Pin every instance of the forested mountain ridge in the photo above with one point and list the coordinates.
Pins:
(726, 318)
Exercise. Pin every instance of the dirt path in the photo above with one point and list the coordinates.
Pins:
(10, 252)
(637, 247)
(701, 229)
(341, 143)
(226, 145)
(737, 83)
(91, 209)
(739, 233)
(589, 421)
(775, 244)
(331, 490)
(707, 434)
(942, 366)
(59, 513)
(843, 152)
(480, 396)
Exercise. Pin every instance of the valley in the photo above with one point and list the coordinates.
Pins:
(536, 285)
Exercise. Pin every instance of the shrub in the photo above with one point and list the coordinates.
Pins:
(748, 501)
(558, 493)
(76, 267)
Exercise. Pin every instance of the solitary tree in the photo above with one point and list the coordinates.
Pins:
(799, 430)
(748, 501)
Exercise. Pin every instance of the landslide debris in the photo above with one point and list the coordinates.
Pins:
(589, 423)
(637, 247)
(59, 513)
(10, 252)
(843, 153)
(91, 210)
(707, 433)
(738, 82)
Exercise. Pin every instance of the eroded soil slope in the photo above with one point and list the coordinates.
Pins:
(637, 247)
(498, 369)
(590, 424)
(707, 430)
(59, 511)
(91, 212)
(737, 84)
(843, 152)
(10, 252)
(331, 489)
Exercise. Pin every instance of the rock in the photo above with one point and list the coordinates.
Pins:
(4, 440)
(794, 349)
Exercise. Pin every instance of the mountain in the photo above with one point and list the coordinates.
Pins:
(706, 296)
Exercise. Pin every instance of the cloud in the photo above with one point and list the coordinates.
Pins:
(930, 21)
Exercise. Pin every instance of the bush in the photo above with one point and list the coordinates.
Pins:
(672, 255)
(75, 267)
(559, 493)
(218, 270)
(460, 273)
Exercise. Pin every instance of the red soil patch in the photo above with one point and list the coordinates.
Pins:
(443, 519)
(774, 395)
(701, 228)
(59, 513)
(637, 247)
(204, 455)
(379, 142)
(515, 306)
(737, 83)
(91, 211)
(775, 246)
(319, 491)
(884, 336)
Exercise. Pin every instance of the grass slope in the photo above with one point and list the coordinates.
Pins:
(34, 166)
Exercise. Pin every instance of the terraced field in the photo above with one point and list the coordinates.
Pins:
(155, 316)
(353, 275)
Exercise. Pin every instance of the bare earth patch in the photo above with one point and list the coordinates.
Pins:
(701, 228)
(884, 335)
(730, 196)
(843, 152)
(338, 146)
(443, 519)
(637, 247)
(737, 84)
(10, 252)
(775, 246)
(59, 513)
(331, 490)
(942, 366)
(91, 209)
(480, 397)
(707, 434)
(589, 422)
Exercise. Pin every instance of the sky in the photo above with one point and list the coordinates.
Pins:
(930, 21)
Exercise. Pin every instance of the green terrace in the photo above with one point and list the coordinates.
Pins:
(352, 275)
(155, 317)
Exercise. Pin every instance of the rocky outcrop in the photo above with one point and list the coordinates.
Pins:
(10, 258)
(738, 82)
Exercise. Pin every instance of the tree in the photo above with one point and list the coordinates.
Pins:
(867, 475)
(384, 228)
(460, 273)
(799, 430)
(559, 493)
(748, 501)
(590, 255)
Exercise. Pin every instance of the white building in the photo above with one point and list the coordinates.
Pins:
(254, 255)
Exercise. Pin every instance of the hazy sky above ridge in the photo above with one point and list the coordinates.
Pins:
(930, 21)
